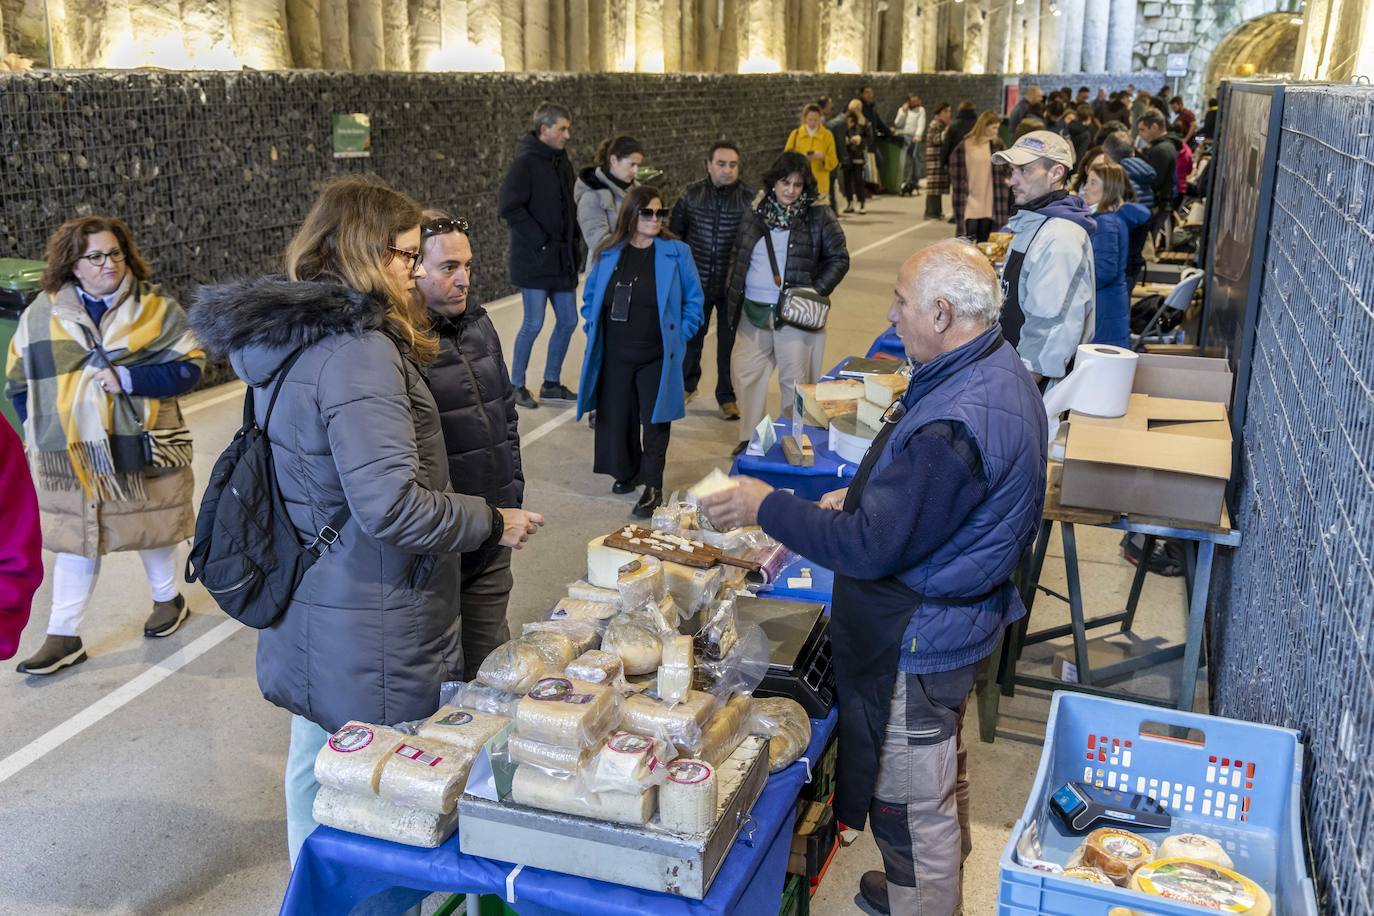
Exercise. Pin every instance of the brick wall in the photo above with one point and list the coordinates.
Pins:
(1291, 634)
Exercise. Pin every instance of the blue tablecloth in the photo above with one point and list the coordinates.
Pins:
(887, 344)
(822, 583)
(336, 870)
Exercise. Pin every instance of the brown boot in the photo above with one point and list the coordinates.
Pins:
(56, 653)
(166, 618)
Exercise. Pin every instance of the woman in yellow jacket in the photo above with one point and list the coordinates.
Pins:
(816, 142)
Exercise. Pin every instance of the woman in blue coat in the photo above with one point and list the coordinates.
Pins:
(641, 304)
(1107, 191)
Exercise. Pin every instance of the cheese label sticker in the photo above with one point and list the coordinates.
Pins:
(419, 755)
(688, 772)
(455, 719)
(627, 743)
(350, 738)
(1123, 846)
(552, 688)
(1199, 883)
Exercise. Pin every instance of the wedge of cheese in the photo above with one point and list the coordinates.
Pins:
(884, 389)
(714, 482)
(871, 414)
(824, 401)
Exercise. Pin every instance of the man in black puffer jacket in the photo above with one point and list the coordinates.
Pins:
(477, 415)
(707, 218)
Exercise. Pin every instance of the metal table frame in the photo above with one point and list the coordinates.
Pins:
(1203, 542)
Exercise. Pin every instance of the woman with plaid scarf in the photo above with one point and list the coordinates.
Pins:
(94, 370)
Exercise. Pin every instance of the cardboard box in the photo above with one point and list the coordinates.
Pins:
(1166, 457)
(1191, 377)
(812, 839)
(1101, 653)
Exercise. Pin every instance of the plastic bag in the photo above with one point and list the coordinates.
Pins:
(719, 633)
(582, 634)
(567, 713)
(425, 774)
(724, 731)
(517, 665)
(376, 817)
(681, 724)
(629, 763)
(676, 670)
(597, 667)
(550, 757)
(743, 668)
(483, 698)
(637, 640)
(787, 727)
(557, 648)
(692, 588)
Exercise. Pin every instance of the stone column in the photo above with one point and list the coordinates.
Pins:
(691, 61)
(335, 47)
(558, 34)
(205, 32)
(845, 50)
(396, 37)
(952, 37)
(599, 55)
(512, 34)
(1071, 29)
(1051, 45)
(1029, 11)
(930, 39)
(672, 36)
(426, 32)
(999, 36)
(649, 27)
(1121, 36)
(578, 53)
(708, 36)
(913, 60)
(975, 35)
(1016, 37)
(365, 35)
(536, 34)
(259, 29)
(480, 38)
(1096, 14)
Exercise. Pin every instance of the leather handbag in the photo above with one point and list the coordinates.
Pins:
(798, 306)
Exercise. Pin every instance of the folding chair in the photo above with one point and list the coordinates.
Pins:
(1178, 300)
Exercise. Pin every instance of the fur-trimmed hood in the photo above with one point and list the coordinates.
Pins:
(259, 323)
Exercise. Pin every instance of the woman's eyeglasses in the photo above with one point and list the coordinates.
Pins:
(443, 226)
(412, 257)
(98, 258)
(651, 213)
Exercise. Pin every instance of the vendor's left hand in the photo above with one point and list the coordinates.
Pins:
(737, 507)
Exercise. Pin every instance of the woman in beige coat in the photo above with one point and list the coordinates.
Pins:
(95, 369)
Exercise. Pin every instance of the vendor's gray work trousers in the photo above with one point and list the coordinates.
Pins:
(797, 354)
(484, 596)
(920, 804)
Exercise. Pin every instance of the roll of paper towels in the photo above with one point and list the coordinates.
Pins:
(1100, 384)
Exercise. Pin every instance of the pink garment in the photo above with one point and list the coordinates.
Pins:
(1184, 167)
(21, 541)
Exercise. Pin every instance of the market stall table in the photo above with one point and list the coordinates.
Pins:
(821, 588)
(336, 869)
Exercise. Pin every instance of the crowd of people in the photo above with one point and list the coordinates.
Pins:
(382, 389)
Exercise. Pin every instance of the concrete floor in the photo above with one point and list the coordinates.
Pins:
(148, 780)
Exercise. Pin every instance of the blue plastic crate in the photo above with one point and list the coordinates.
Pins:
(1237, 782)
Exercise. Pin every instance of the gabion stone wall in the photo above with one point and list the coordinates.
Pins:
(1112, 82)
(1291, 637)
(214, 170)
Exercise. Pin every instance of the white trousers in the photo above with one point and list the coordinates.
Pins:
(74, 576)
(795, 353)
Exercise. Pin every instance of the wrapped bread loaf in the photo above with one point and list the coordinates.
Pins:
(536, 788)
(425, 774)
(787, 727)
(636, 641)
(682, 724)
(567, 712)
(596, 667)
(462, 728)
(376, 817)
(515, 667)
(580, 633)
(353, 757)
(548, 756)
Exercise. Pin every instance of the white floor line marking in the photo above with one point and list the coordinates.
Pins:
(546, 427)
(236, 389)
(895, 235)
(117, 698)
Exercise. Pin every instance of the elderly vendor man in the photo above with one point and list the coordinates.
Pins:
(923, 544)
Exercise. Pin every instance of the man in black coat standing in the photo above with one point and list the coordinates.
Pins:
(707, 217)
(536, 201)
(476, 404)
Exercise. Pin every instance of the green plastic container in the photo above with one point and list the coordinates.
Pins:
(20, 282)
(796, 897)
(890, 170)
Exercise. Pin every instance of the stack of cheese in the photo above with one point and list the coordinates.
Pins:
(879, 393)
(517, 665)
(382, 783)
(824, 401)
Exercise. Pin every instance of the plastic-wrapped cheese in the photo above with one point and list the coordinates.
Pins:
(538, 789)
(515, 667)
(1202, 884)
(641, 581)
(1117, 852)
(787, 727)
(596, 667)
(1197, 847)
(567, 712)
(625, 763)
(692, 588)
(681, 724)
(582, 590)
(548, 756)
(462, 728)
(479, 697)
(556, 648)
(353, 757)
(1087, 873)
(687, 801)
(376, 817)
(424, 774)
(603, 563)
(590, 611)
(675, 669)
(582, 634)
(719, 634)
(636, 641)
(724, 731)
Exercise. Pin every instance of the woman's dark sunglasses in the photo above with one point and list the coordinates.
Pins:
(651, 213)
(443, 226)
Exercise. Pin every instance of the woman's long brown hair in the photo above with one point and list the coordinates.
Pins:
(626, 218)
(346, 239)
(68, 244)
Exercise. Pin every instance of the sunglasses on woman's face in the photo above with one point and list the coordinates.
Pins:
(412, 257)
(651, 213)
(443, 227)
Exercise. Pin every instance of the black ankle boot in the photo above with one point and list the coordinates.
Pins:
(649, 500)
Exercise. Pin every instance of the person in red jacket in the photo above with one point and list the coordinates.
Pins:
(21, 540)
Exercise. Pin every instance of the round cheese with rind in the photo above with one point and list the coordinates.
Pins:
(376, 817)
(1117, 852)
(1195, 846)
(1088, 873)
(515, 666)
(687, 800)
(636, 641)
(353, 757)
(1202, 884)
(425, 774)
(641, 581)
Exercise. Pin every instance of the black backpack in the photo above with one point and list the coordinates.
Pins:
(246, 550)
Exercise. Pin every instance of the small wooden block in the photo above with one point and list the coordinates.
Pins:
(798, 451)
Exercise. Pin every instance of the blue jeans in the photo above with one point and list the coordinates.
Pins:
(564, 323)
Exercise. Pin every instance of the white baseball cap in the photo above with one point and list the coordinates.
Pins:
(1038, 144)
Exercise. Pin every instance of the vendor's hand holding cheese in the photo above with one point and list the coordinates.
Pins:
(923, 546)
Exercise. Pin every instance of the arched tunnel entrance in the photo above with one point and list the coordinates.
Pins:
(1265, 46)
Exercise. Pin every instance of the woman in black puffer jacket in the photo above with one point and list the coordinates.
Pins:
(477, 414)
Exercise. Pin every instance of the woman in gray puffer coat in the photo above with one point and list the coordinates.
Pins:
(600, 189)
(372, 630)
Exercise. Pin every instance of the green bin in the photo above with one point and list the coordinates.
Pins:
(20, 281)
(890, 171)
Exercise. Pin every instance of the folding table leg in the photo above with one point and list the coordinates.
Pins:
(1080, 633)
(1015, 635)
(1197, 617)
(1137, 582)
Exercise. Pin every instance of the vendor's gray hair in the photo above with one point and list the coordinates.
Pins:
(956, 271)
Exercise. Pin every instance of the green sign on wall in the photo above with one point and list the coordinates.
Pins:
(352, 136)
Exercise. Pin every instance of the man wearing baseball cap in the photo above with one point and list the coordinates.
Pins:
(1048, 287)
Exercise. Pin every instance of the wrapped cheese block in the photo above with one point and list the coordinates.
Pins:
(636, 641)
(785, 724)
(641, 581)
(625, 763)
(675, 670)
(692, 589)
(724, 731)
(1202, 884)
(1197, 847)
(687, 801)
(462, 728)
(590, 611)
(353, 757)
(714, 482)
(548, 756)
(719, 635)
(603, 563)
(515, 666)
(681, 724)
(424, 774)
(665, 615)
(596, 667)
(567, 712)
(536, 788)
(582, 590)
(582, 634)
(376, 817)
(556, 648)
(1117, 852)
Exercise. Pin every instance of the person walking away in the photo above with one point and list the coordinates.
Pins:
(602, 186)
(707, 218)
(981, 186)
(95, 370)
(641, 304)
(1119, 149)
(856, 137)
(923, 543)
(809, 248)
(1159, 151)
(21, 542)
(1048, 276)
(910, 125)
(536, 201)
(814, 140)
(937, 174)
(835, 123)
(476, 403)
(875, 122)
(372, 631)
(1106, 192)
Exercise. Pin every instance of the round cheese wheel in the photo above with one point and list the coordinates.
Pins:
(1202, 884)
(687, 801)
(636, 642)
(1117, 852)
(1195, 846)
(1088, 873)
